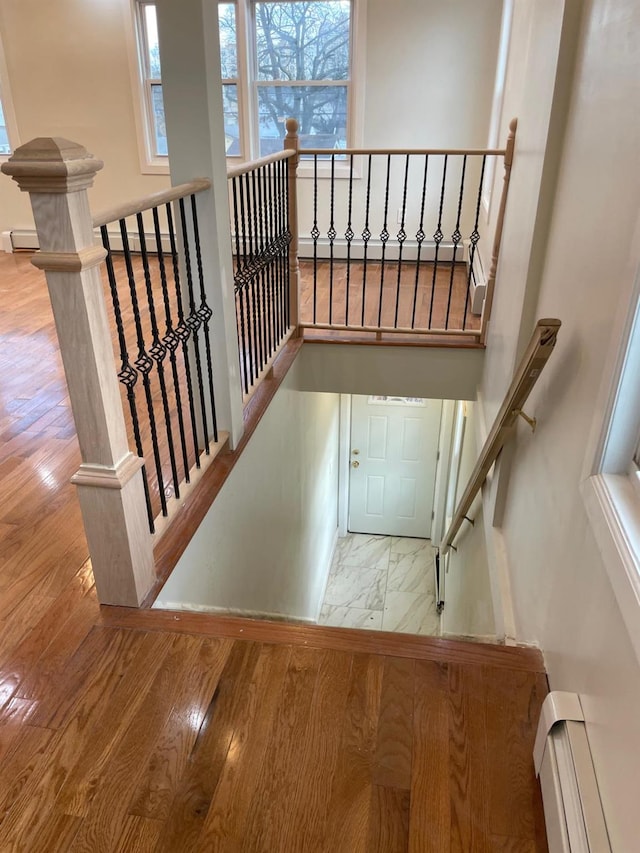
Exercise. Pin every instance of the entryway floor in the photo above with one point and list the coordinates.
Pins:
(382, 582)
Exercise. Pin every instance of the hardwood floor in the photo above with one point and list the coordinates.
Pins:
(125, 730)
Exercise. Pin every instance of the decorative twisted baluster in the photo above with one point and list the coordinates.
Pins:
(437, 238)
(456, 238)
(473, 239)
(420, 237)
(384, 237)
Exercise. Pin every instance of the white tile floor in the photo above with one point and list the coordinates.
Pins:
(382, 582)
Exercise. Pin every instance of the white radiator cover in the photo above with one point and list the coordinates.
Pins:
(572, 808)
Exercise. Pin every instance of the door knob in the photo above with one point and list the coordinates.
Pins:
(356, 464)
(355, 452)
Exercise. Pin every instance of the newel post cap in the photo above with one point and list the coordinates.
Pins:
(292, 127)
(52, 165)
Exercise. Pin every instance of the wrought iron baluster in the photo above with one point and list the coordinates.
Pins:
(182, 331)
(171, 341)
(238, 289)
(384, 237)
(157, 351)
(474, 238)
(286, 237)
(246, 281)
(194, 322)
(265, 253)
(420, 236)
(128, 375)
(257, 272)
(366, 236)
(456, 238)
(331, 234)
(274, 318)
(143, 361)
(204, 314)
(437, 237)
(315, 233)
(402, 236)
(348, 236)
(255, 314)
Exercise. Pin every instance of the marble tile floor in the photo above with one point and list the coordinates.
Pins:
(382, 582)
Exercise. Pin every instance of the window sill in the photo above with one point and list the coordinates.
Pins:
(155, 166)
(613, 508)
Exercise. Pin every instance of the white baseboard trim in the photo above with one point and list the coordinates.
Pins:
(24, 238)
(326, 580)
(374, 250)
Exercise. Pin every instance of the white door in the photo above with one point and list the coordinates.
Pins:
(394, 449)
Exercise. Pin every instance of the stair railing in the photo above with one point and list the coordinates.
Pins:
(390, 244)
(538, 352)
(161, 398)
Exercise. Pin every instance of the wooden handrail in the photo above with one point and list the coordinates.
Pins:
(536, 356)
(129, 208)
(250, 165)
(343, 152)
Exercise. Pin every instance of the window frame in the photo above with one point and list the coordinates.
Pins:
(8, 110)
(610, 486)
(247, 83)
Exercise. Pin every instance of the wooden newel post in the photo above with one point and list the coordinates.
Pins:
(495, 254)
(292, 143)
(57, 173)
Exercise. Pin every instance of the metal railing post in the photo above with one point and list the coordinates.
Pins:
(57, 173)
(292, 143)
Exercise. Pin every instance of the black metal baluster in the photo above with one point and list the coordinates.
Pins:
(366, 236)
(260, 253)
(242, 339)
(204, 313)
(266, 261)
(384, 237)
(456, 237)
(437, 237)
(315, 233)
(331, 234)
(420, 235)
(271, 267)
(127, 374)
(246, 281)
(143, 362)
(158, 351)
(257, 271)
(286, 237)
(475, 236)
(194, 322)
(182, 331)
(257, 331)
(171, 341)
(348, 236)
(402, 236)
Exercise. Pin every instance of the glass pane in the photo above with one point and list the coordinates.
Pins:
(231, 124)
(159, 130)
(151, 29)
(397, 401)
(303, 41)
(228, 40)
(5, 148)
(321, 112)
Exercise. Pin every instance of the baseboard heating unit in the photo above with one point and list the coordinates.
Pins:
(572, 808)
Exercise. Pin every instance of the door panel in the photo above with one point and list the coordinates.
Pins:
(394, 446)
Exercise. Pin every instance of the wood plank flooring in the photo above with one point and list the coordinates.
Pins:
(123, 730)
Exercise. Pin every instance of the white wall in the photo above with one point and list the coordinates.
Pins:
(265, 546)
(69, 76)
(428, 83)
(432, 372)
(428, 75)
(562, 597)
(468, 609)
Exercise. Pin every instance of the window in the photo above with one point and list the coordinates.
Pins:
(611, 490)
(5, 148)
(279, 58)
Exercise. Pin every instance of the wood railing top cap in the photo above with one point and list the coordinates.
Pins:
(52, 164)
